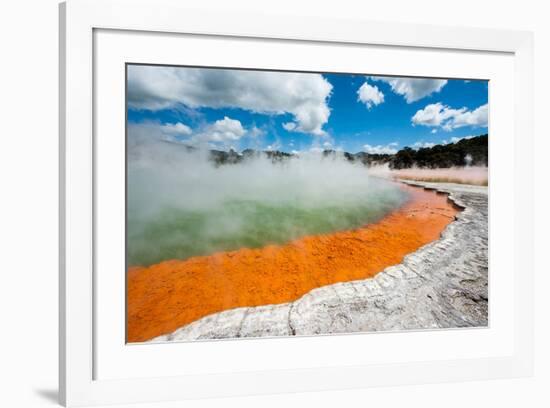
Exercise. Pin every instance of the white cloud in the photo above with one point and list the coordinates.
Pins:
(419, 145)
(439, 115)
(434, 131)
(273, 147)
(304, 96)
(477, 117)
(380, 149)
(176, 129)
(370, 95)
(290, 126)
(255, 132)
(435, 114)
(223, 133)
(458, 139)
(413, 89)
(223, 130)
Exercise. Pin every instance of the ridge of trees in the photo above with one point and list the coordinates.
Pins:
(469, 151)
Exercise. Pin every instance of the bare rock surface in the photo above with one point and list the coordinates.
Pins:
(444, 284)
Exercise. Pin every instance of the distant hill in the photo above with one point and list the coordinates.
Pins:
(472, 151)
(231, 157)
(367, 159)
(221, 157)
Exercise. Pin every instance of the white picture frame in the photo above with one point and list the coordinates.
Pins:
(80, 383)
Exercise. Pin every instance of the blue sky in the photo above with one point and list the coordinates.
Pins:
(303, 111)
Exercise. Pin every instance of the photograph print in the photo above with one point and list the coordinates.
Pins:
(275, 203)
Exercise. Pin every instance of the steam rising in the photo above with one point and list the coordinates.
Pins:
(476, 175)
(180, 204)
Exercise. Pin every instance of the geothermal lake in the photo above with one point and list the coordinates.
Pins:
(204, 238)
(189, 207)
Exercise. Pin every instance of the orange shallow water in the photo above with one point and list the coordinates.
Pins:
(165, 296)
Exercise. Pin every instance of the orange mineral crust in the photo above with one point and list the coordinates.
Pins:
(168, 295)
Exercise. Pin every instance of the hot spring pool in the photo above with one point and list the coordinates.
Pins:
(192, 208)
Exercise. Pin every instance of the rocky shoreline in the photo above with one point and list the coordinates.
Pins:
(442, 285)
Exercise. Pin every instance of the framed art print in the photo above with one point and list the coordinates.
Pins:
(249, 209)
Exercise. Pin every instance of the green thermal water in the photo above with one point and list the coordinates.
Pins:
(180, 233)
